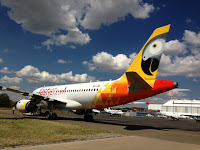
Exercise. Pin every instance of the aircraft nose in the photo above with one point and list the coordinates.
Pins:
(175, 85)
(16, 104)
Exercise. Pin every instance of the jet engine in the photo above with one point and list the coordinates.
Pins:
(25, 106)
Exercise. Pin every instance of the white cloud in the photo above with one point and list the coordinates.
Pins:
(107, 12)
(74, 36)
(157, 100)
(37, 47)
(6, 70)
(192, 38)
(1, 60)
(188, 20)
(33, 75)
(195, 80)
(51, 17)
(195, 50)
(173, 62)
(174, 47)
(8, 80)
(61, 61)
(188, 66)
(175, 94)
(5, 50)
(72, 47)
(108, 63)
(42, 17)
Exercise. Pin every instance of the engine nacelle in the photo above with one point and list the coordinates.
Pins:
(25, 106)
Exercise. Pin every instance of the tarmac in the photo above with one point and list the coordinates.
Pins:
(139, 133)
(119, 143)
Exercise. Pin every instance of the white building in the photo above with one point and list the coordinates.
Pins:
(184, 107)
(155, 107)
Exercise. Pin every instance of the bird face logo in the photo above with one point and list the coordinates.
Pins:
(152, 53)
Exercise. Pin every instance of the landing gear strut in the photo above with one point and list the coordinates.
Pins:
(49, 114)
(88, 115)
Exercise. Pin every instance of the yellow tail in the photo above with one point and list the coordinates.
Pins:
(147, 61)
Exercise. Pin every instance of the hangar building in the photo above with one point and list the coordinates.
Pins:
(185, 107)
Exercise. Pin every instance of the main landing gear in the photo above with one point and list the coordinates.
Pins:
(88, 115)
(50, 115)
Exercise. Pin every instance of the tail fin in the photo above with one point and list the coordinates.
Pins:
(147, 61)
(148, 102)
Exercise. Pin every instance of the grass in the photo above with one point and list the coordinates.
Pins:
(16, 131)
(5, 108)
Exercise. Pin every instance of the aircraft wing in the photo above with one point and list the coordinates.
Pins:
(137, 84)
(35, 97)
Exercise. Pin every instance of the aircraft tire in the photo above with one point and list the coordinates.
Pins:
(54, 116)
(88, 118)
(48, 115)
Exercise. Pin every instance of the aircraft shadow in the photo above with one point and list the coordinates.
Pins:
(135, 126)
(127, 124)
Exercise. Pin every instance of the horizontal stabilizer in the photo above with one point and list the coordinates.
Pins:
(136, 83)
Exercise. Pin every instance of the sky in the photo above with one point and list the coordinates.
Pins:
(71, 41)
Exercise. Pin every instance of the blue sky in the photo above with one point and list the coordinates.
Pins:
(58, 42)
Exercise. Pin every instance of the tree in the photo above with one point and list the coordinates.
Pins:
(4, 100)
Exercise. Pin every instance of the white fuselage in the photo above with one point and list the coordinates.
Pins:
(83, 93)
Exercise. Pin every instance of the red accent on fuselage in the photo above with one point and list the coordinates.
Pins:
(161, 86)
(122, 96)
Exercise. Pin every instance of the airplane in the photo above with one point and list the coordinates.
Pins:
(113, 112)
(148, 102)
(95, 111)
(175, 116)
(138, 82)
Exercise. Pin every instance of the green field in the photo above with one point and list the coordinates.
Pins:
(19, 131)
